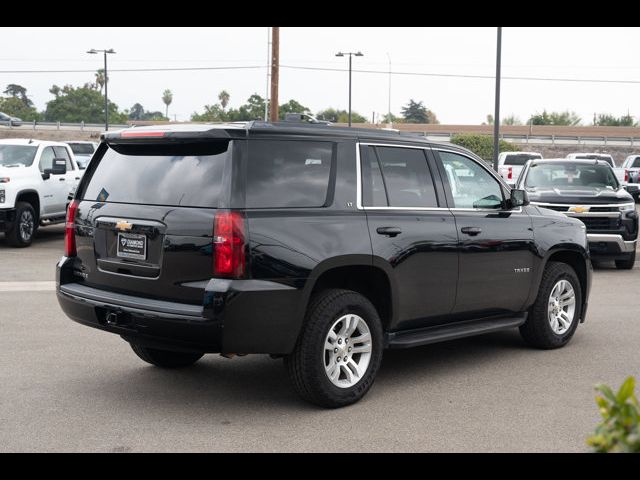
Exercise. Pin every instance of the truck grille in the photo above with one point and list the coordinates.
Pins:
(600, 223)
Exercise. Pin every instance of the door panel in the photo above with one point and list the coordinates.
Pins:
(496, 246)
(410, 232)
(54, 189)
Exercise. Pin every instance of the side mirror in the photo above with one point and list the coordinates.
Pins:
(59, 166)
(519, 198)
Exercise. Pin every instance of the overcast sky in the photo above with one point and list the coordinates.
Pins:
(580, 53)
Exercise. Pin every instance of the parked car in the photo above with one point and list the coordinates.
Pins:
(631, 167)
(83, 151)
(36, 179)
(8, 120)
(319, 244)
(587, 190)
(510, 164)
(620, 172)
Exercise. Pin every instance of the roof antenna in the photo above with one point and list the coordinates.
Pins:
(30, 141)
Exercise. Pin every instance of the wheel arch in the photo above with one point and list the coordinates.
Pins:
(577, 258)
(32, 197)
(372, 278)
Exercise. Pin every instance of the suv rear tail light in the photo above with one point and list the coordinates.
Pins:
(626, 176)
(70, 230)
(229, 245)
(510, 173)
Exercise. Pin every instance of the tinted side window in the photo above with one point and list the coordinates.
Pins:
(46, 159)
(288, 173)
(407, 177)
(636, 163)
(471, 185)
(373, 191)
(61, 152)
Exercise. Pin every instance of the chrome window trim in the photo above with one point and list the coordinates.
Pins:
(607, 205)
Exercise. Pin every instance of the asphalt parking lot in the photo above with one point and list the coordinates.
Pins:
(65, 387)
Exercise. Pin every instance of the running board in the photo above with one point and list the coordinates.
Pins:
(452, 331)
(52, 221)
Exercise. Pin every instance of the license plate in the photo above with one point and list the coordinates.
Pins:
(131, 245)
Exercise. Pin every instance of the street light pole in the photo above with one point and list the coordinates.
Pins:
(389, 106)
(93, 51)
(496, 116)
(351, 54)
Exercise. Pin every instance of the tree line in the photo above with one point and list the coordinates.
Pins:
(85, 103)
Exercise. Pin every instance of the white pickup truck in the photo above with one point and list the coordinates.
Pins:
(631, 167)
(37, 178)
(510, 164)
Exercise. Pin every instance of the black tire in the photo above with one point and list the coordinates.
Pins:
(537, 331)
(305, 366)
(627, 263)
(165, 358)
(15, 236)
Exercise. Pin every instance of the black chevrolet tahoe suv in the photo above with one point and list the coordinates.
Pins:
(318, 244)
(589, 191)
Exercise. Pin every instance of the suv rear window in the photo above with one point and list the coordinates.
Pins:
(188, 175)
(288, 173)
(519, 159)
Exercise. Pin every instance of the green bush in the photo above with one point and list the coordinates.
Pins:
(619, 430)
(482, 145)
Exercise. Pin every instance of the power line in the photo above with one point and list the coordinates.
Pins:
(165, 69)
(328, 69)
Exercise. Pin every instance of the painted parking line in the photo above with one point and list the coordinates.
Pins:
(27, 286)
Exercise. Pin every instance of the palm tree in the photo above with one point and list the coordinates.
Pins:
(167, 98)
(100, 79)
(224, 97)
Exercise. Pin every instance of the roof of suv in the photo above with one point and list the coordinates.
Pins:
(227, 130)
(570, 161)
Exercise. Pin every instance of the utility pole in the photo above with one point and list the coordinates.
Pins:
(389, 106)
(275, 73)
(266, 99)
(496, 116)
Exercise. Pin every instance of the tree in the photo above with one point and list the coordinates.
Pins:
(489, 120)
(511, 120)
(391, 119)
(292, 106)
(100, 79)
(167, 98)
(555, 118)
(224, 97)
(482, 145)
(606, 120)
(19, 92)
(416, 112)
(212, 113)
(340, 116)
(136, 112)
(80, 104)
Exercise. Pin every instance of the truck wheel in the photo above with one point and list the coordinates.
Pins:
(627, 263)
(339, 350)
(24, 227)
(165, 358)
(554, 316)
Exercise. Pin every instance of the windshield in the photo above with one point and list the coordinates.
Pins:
(520, 158)
(567, 175)
(81, 148)
(17, 155)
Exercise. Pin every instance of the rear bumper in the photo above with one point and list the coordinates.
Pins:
(609, 245)
(7, 218)
(236, 316)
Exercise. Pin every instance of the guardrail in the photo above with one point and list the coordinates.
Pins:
(580, 140)
(81, 127)
(550, 139)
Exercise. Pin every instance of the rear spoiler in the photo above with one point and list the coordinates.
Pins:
(139, 135)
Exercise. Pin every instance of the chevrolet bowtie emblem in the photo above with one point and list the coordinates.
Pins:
(123, 225)
(579, 209)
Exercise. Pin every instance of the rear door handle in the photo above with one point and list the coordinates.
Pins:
(77, 178)
(62, 179)
(389, 231)
(473, 231)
